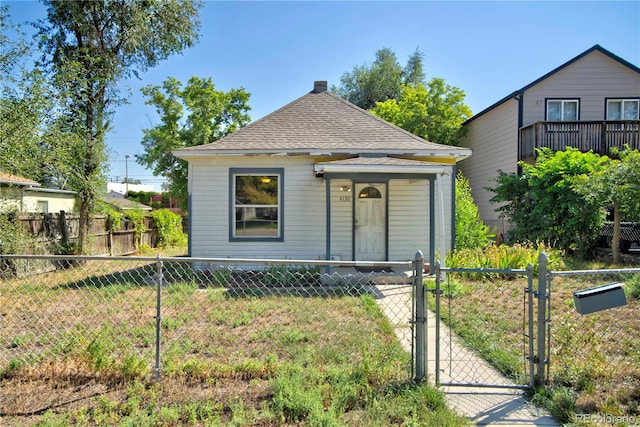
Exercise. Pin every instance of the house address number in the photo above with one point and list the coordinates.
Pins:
(345, 198)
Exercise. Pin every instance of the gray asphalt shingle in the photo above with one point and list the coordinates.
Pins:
(320, 122)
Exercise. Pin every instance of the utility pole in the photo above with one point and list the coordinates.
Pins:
(126, 171)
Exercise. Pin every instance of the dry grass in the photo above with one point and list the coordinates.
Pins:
(596, 356)
(77, 348)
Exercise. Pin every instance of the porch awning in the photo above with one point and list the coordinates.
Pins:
(387, 165)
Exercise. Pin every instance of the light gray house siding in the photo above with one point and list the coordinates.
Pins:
(493, 140)
(304, 205)
(304, 213)
(592, 78)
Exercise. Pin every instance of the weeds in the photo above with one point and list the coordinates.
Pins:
(299, 360)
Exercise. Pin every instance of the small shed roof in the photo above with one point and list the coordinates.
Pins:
(7, 178)
(125, 204)
(322, 123)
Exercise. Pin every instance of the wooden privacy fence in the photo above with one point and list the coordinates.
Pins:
(105, 238)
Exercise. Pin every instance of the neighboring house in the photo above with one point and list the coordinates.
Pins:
(321, 178)
(589, 103)
(26, 195)
(117, 201)
(123, 188)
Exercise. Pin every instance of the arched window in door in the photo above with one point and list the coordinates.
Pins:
(369, 193)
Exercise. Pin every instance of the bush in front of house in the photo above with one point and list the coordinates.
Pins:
(471, 231)
(545, 203)
(169, 226)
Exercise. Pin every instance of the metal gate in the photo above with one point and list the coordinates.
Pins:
(495, 335)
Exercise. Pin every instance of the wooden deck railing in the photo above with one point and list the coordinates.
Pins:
(597, 136)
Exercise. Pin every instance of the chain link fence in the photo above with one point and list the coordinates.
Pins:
(484, 327)
(595, 357)
(119, 317)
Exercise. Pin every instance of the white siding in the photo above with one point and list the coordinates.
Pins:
(493, 138)
(303, 213)
(591, 79)
(55, 202)
(408, 219)
(341, 220)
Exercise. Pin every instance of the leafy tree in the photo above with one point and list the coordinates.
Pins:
(383, 80)
(89, 46)
(617, 187)
(22, 104)
(434, 112)
(545, 204)
(210, 115)
(413, 73)
(32, 141)
(471, 232)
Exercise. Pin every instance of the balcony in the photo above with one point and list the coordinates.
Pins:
(597, 136)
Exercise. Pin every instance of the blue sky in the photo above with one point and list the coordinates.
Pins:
(275, 50)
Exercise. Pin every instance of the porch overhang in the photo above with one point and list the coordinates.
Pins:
(361, 169)
(379, 165)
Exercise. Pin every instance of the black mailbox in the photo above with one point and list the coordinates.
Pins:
(599, 298)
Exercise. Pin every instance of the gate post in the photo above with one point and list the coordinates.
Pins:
(542, 318)
(420, 318)
(530, 332)
(438, 292)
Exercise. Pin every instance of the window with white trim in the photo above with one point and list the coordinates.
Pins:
(622, 109)
(256, 212)
(562, 110)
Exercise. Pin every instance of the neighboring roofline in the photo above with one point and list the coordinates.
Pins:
(550, 73)
(27, 183)
(50, 190)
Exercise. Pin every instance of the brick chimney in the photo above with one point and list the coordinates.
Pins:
(319, 86)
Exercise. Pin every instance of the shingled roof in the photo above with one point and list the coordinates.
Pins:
(322, 122)
(7, 178)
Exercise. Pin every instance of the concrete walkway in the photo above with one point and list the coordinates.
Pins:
(481, 405)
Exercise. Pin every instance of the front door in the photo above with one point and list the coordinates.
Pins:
(370, 223)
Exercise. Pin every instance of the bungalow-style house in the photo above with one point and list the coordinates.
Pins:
(590, 103)
(320, 178)
(27, 196)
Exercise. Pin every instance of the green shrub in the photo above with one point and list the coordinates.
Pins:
(16, 240)
(471, 232)
(516, 256)
(632, 287)
(136, 217)
(546, 204)
(169, 226)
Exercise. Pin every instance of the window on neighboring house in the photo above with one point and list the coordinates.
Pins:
(622, 109)
(256, 204)
(562, 110)
(42, 206)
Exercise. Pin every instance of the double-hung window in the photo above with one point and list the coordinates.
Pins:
(256, 204)
(622, 109)
(562, 110)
